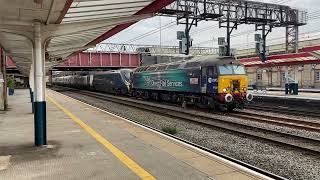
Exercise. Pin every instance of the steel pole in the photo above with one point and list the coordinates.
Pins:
(39, 90)
(287, 39)
(187, 35)
(31, 83)
(264, 38)
(296, 36)
(3, 87)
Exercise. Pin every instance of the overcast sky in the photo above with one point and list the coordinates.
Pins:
(207, 32)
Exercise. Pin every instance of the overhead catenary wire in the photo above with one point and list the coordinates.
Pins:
(312, 16)
(166, 26)
(272, 39)
(281, 38)
(241, 33)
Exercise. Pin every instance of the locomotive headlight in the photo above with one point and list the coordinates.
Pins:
(224, 90)
(245, 89)
(249, 97)
(228, 98)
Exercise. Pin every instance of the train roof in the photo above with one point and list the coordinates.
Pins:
(112, 71)
(194, 62)
(209, 60)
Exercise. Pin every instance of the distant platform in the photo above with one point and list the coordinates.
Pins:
(88, 143)
(304, 94)
(305, 90)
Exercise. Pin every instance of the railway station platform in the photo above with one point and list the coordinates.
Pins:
(87, 143)
(306, 95)
(305, 103)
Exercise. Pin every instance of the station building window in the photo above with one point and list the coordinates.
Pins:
(283, 77)
(317, 75)
(259, 76)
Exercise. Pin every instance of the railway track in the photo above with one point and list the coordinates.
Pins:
(279, 121)
(297, 141)
(285, 110)
(244, 164)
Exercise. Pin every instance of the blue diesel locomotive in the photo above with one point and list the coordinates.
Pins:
(213, 82)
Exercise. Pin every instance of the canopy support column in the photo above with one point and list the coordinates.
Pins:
(31, 83)
(39, 90)
(3, 86)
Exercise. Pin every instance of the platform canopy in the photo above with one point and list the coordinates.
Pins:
(67, 26)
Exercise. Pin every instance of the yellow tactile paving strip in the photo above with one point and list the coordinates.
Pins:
(143, 174)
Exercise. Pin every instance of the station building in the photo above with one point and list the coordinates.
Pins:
(302, 67)
(307, 75)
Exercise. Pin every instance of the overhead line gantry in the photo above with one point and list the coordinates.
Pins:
(232, 13)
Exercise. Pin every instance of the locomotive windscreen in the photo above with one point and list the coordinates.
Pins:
(126, 74)
(230, 70)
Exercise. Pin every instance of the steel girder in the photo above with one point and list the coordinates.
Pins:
(239, 11)
(231, 13)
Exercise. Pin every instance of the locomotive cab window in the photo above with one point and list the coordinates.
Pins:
(126, 75)
(212, 71)
(231, 69)
(204, 71)
(215, 71)
(209, 71)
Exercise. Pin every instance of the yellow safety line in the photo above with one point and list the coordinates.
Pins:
(143, 174)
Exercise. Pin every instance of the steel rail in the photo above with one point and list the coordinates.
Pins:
(246, 165)
(292, 111)
(304, 143)
(280, 121)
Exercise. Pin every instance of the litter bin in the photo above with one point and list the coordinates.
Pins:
(11, 91)
(295, 88)
(292, 88)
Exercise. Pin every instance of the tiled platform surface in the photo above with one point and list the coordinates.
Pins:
(72, 153)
